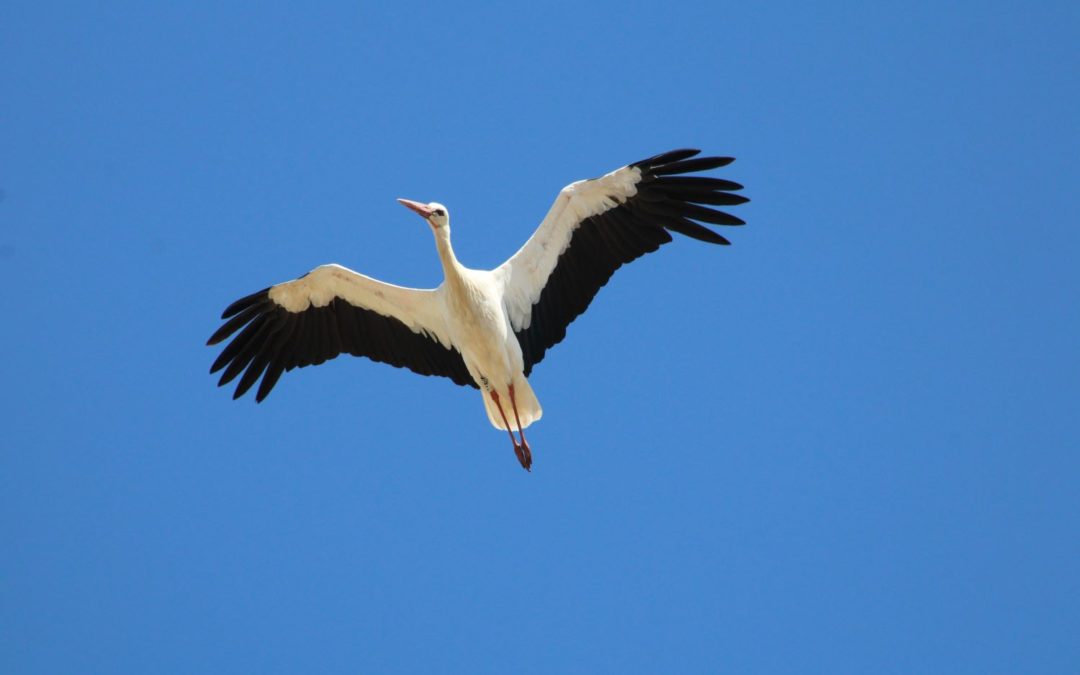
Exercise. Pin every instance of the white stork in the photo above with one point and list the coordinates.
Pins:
(481, 328)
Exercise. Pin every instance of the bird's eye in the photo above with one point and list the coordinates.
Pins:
(440, 212)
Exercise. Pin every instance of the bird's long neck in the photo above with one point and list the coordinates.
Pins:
(451, 267)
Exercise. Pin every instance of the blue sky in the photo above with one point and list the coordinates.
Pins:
(845, 444)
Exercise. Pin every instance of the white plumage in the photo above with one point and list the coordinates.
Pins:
(484, 328)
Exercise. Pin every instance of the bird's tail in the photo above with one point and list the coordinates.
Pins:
(528, 407)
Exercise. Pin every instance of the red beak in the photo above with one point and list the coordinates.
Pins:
(422, 209)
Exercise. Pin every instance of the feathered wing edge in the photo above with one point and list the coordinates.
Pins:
(271, 339)
(601, 225)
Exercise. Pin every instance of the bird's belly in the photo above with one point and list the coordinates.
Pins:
(481, 329)
(486, 351)
(483, 332)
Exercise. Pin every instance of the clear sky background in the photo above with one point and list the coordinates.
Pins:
(847, 443)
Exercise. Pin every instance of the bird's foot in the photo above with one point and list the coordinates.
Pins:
(524, 455)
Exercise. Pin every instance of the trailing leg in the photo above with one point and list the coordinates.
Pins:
(523, 454)
(521, 432)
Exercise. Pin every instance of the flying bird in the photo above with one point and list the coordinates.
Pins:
(480, 328)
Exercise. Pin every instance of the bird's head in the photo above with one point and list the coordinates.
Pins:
(434, 213)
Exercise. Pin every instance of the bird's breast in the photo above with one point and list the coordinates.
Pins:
(479, 326)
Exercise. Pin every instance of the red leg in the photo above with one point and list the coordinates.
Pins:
(525, 459)
(521, 432)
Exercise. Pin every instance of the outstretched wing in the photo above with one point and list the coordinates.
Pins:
(595, 226)
(329, 311)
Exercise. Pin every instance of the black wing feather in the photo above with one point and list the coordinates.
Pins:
(245, 302)
(666, 200)
(272, 340)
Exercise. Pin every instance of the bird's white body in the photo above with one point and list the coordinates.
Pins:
(476, 318)
(480, 327)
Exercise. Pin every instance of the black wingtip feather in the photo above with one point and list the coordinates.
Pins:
(251, 375)
(683, 182)
(234, 324)
(666, 157)
(692, 165)
(715, 198)
(694, 230)
(273, 373)
(245, 302)
(707, 215)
